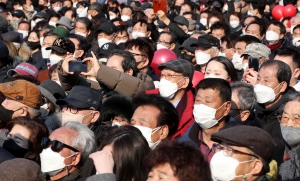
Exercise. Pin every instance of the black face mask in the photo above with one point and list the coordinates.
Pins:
(33, 45)
(177, 9)
(11, 146)
(5, 114)
(187, 56)
(267, 14)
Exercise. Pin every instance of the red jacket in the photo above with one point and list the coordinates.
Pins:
(184, 110)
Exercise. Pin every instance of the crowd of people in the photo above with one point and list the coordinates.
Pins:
(108, 90)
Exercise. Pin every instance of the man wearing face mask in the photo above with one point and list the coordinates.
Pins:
(271, 89)
(296, 36)
(187, 52)
(60, 48)
(17, 17)
(82, 105)
(141, 29)
(290, 56)
(212, 105)
(155, 117)
(241, 153)
(243, 101)
(106, 33)
(257, 8)
(56, 5)
(176, 86)
(81, 46)
(207, 47)
(63, 153)
(275, 37)
(166, 39)
(289, 124)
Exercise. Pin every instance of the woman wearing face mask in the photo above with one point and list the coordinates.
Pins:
(235, 23)
(220, 67)
(24, 138)
(213, 17)
(126, 148)
(36, 58)
(113, 13)
(290, 129)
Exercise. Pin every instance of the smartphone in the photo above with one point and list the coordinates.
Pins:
(77, 66)
(253, 62)
(160, 5)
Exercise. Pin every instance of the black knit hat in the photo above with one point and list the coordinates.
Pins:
(253, 138)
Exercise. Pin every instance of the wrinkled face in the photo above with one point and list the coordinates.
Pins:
(23, 26)
(81, 28)
(121, 36)
(218, 33)
(115, 62)
(290, 116)
(48, 41)
(20, 135)
(254, 30)
(162, 172)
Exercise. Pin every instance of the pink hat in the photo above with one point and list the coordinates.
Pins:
(24, 69)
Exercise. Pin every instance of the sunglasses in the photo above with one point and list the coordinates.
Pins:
(56, 146)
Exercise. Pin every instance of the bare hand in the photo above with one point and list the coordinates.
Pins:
(65, 64)
(103, 161)
(150, 15)
(163, 17)
(95, 66)
(250, 76)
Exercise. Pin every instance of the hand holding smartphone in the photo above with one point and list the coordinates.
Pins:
(253, 62)
(77, 66)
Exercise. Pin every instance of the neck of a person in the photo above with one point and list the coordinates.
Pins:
(178, 95)
(293, 82)
(63, 173)
(206, 133)
(268, 105)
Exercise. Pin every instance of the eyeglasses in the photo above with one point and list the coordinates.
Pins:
(163, 43)
(285, 119)
(56, 145)
(228, 151)
(136, 54)
(245, 25)
(169, 76)
(73, 110)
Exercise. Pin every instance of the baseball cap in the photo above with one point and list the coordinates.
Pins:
(83, 97)
(180, 65)
(61, 31)
(257, 50)
(107, 48)
(22, 91)
(207, 41)
(261, 143)
(181, 20)
(107, 27)
(62, 45)
(24, 69)
(18, 13)
(187, 44)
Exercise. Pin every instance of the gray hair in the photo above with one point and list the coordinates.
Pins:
(295, 96)
(85, 139)
(297, 16)
(95, 6)
(33, 112)
(245, 94)
(198, 32)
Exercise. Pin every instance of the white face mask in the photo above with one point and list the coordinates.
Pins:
(56, 9)
(202, 58)
(249, 13)
(296, 42)
(116, 124)
(160, 46)
(67, 116)
(41, 40)
(32, 23)
(272, 36)
(264, 94)
(74, 5)
(112, 17)
(81, 34)
(291, 30)
(245, 65)
(214, 76)
(54, 59)
(244, 32)
(291, 135)
(125, 18)
(90, 17)
(79, 10)
(203, 21)
(160, 30)
(102, 41)
(234, 24)
(137, 34)
(167, 89)
(102, 60)
(52, 23)
(121, 41)
(30, 8)
(52, 162)
(147, 133)
(83, 12)
(223, 167)
(45, 53)
(205, 116)
(237, 61)
(20, 8)
(221, 54)
(24, 33)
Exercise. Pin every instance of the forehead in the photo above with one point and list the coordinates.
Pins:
(269, 71)
(292, 106)
(115, 59)
(164, 36)
(168, 71)
(253, 27)
(139, 25)
(64, 135)
(215, 65)
(209, 93)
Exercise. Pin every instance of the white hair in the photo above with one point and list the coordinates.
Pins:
(85, 139)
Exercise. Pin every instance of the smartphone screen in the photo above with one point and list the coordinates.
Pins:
(253, 62)
(77, 66)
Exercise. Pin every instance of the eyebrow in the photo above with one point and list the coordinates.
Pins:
(143, 119)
